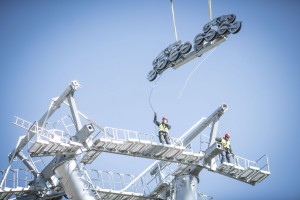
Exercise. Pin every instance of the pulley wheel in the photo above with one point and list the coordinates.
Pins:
(206, 27)
(197, 48)
(231, 18)
(210, 35)
(199, 39)
(185, 48)
(223, 28)
(154, 62)
(216, 21)
(174, 55)
(152, 75)
(235, 27)
(162, 64)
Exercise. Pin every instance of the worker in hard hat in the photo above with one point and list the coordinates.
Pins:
(227, 153)
(163, 129)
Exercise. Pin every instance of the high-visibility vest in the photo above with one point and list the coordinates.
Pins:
(163, 127)
(226, 143)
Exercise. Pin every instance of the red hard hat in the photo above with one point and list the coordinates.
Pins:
(164, 118)
(227, 135)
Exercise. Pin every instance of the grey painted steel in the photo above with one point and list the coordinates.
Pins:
(27, 163)
(192, 55)
(48, 170)
(188, 137)
(74, 111)
(186, 187)
(84, 133)
(81, 136)
(214, 131)
(213, 135)
(212, 151)
(54, 106)
(195, 132)
(76, 187)
(187, 183)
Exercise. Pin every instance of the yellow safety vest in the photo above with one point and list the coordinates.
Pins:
(162, 127)
(225, 143)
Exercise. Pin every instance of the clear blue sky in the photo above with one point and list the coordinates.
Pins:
(108, 46)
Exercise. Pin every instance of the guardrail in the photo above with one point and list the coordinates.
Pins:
(18, 177)
(113, 180)
(125, 135)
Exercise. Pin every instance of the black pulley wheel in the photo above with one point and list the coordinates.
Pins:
(231, 18)
(235, 27)
(223, 28)
(154, 62)
(152, 75)
(210, 35)
(216, 21)
(185, 48)
(206, 27)
(174, 55)
(198, 47)
(162, 64)
(222, 18)
(199, 39)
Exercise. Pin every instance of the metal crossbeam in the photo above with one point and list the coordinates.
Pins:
(194, 54)
(53, 107)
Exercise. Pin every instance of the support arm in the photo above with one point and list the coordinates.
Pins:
(54, 106)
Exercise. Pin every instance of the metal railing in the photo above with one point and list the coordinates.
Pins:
(160, 175)
(127, 135)
(262, 163)
(114, 180)
(43, 133)
(17, 178)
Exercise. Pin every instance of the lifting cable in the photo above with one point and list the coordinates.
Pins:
(210, 10)
(191, 74)
(174, 23)
(154, 86)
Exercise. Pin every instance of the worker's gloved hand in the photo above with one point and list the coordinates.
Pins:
(155, 114)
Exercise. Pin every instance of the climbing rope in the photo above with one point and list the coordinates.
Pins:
(174, 23)
(191, 74)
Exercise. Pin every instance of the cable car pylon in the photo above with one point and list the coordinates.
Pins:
(81, 140)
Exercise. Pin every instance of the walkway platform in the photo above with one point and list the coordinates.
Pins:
(143, 149)
(249, 174)
(118, 195)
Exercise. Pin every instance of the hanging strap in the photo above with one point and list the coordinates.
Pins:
(210, 10)
(174, 23)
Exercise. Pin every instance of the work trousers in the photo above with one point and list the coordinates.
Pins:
(226, 157)
(164, 136)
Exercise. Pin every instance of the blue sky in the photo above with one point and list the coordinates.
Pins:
(108, 46)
